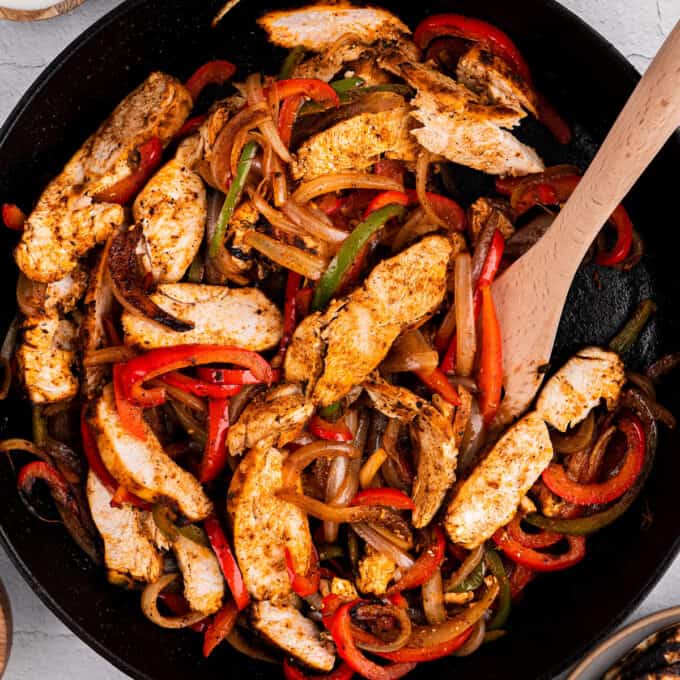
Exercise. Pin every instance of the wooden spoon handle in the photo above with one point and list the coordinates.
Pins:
(647, 120)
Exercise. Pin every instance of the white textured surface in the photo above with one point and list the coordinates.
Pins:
(43, 647)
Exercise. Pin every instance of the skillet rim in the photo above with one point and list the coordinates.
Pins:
(562, 13)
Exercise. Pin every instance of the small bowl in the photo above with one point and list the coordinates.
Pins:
(605, 655)
(40, 9)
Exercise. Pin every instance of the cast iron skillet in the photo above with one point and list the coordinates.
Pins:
(563, 614)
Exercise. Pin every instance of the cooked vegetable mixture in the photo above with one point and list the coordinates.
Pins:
(264, 362)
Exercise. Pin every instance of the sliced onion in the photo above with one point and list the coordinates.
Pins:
(663, 366)
(187, 420)
(377, 612)
(422, 168)
(109, 355)
(297, 461)
(239, 402)
(401, 538)
(8, 344)
(305, 264)
(468, 383)
(383, 546)
(150, 606)
(577, 439)
(594, 460)
(430, 636)
(643, 382)
(469, 565)
(528, 235)
(312, 223)
(343, 180)
(357, 513)
(474, 642)
(433, 599)
(409, 230)
(473, 439)
(336, 476)
(410, 352)
(371, 467)
(279, 183)
(659, 412)
(15, 444)
(272, 215)
(465, 315)
(181, 396)
(482, 248)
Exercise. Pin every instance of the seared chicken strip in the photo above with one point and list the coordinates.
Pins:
(375, 572)
(334, 351)
(172, 210)
(57, 297)
(243, 317)
(459, 127)
(142, 466)
(317, 27)
(264, 525)
(203, 581)
(67, 221)
(46, 358)
(494, 80)
(356, 144)
(488, 499)
(589, 376)
(285, 627)
(274, 418)
(433, 435)
(127, 546)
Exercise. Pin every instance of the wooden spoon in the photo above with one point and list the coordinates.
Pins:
(530, 295)
(49, 10)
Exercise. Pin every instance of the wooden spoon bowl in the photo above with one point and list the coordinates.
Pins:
(47, 12)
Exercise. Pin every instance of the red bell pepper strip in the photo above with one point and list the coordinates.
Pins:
(179, 606)
(290, 672)
(340, 627)
(13, 217)
(200, 388)
(537, 561)
(418, 654)
(624, 239)
(507, 185)
(167, 359)
(398, 600)
(423, 568)
(491, 38)
(191, 125)
(130, 414)
(287, 115)
(215, 456)
(228, 564)
(123, 191)
(59, 488)
(324, 429)
(213, 73)
(555, 476)
(293, 283)
(448, 363)
(313, 88)
(491, 360)
(519, 579)
(96, 464)
(392, 498)
(490, 267)
(446, 208)
(439, 383)
(551, 118)
(219, 628)
(303, 585)
(303, 301)
(231, 376)
(542, 539)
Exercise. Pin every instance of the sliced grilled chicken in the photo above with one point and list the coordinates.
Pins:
(344, 345)
(485, 209)
(433, 436)
(203, 581)
(127, 547)
(375, 572)
(67, 221)
(46, 358)
(488, 499)
(59, 296)
(274, 418)
(356, 144)
(590, 375)
(142, 466)
(285, 627)
(494, 80)
(458, 126)
(317, 27)
(172, 210)
(264, 526)
(243, 317)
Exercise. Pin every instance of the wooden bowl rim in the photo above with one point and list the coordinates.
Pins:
(54, 10)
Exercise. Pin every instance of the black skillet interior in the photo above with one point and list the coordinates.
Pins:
(588, 80)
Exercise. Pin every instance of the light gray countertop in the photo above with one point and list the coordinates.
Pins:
(43, 647)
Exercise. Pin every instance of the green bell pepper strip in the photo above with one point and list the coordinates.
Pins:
(471, 582)
(233, 195)
(504, 595)
(351, 247)
(345, 84)
(629, 334)
(164, 520)
(329, 411)
(291, 61)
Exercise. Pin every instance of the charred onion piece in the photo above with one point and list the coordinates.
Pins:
(128, 285)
